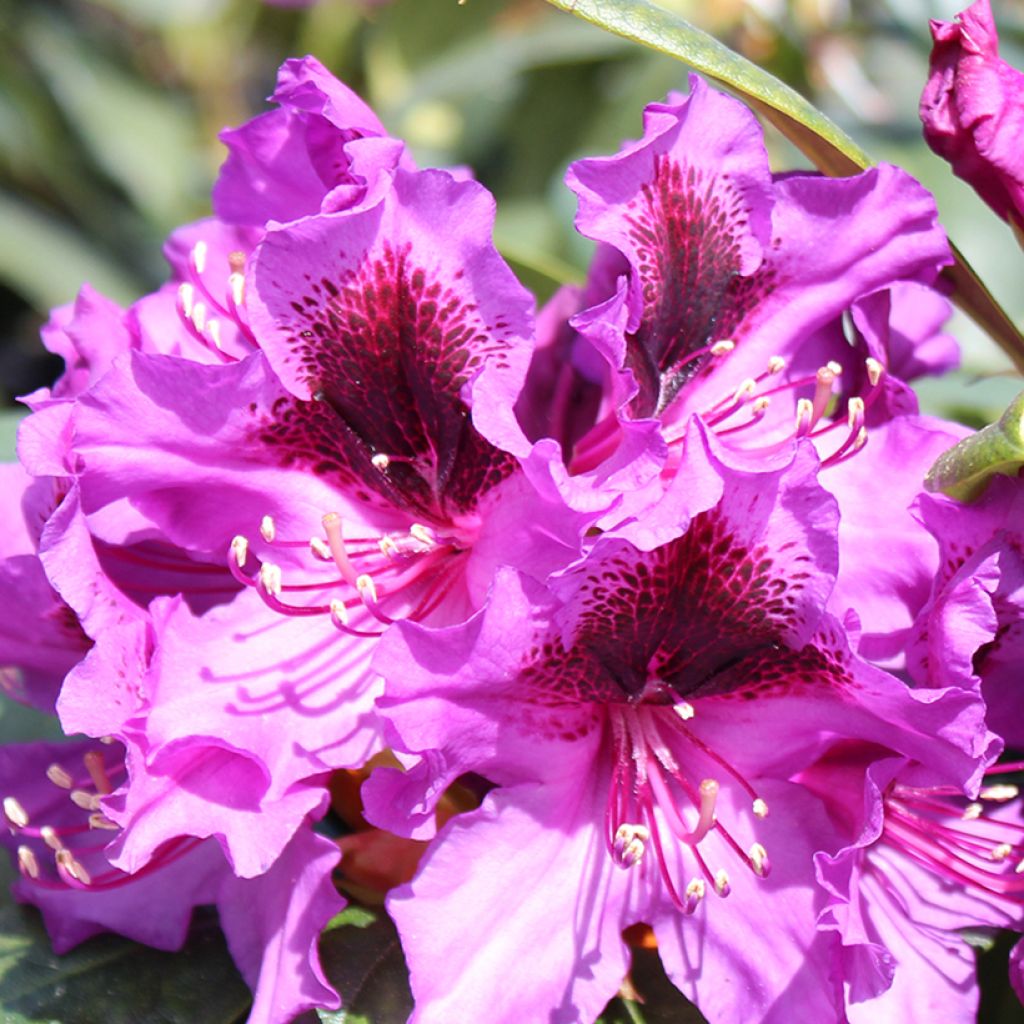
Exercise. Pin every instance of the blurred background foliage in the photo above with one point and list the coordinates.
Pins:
(109, 113)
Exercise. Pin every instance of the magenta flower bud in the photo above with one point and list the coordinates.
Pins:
(973, 109)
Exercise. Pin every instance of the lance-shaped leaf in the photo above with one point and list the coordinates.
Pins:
(964, 471)
(823, 142)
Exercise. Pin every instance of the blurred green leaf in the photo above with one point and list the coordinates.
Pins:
(115, 981)
(830, 148)
(47, 261)
(142, 137)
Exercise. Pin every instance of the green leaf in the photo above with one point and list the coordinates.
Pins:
(113, 980)
(965, 470)
(822, 141)
(362, 958)
(46, 261)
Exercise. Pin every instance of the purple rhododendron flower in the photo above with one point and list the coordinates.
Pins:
(640, 718)
(973, 109)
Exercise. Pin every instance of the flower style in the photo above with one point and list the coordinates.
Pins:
(640, 718)
(973, 110)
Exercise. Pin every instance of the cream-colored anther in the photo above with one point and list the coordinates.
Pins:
(875, 370)
(760, 808)
(631, 843)
(1000, 792)
(381, 461)
(388, 547)
(268, 529)
(108, 740)
(240, 551)
(16, 814)
(48, 834)
(199, 251)
(745, 390)
(321, 549)
(66, 859)
(87, 801)
(339, 612)
(776, 364)
(972, 811)
(236, 282)
(187, 298)
(723, 347)
(804, 414)
(1001, 852)
(198, 316)
(722, 886)
(213, 333)
(834, 367)
(760, 405)
(367, 588)
(1019, 869)
(102, 821)
(27, 862)
(685, 710)
(695, 889)
(855, 411)
(758, 858)
(423, 534)
(271, 578)
(59, 776)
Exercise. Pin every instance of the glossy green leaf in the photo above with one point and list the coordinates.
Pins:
(965, 470)
(362, 958)
(822, 141)
(115, 981)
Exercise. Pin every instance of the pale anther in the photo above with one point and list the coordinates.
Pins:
(804, 414)
(760, 404)
(240, 550)
(1019, 869)
(722, 882)
(422, 533)
(387, 546)
(694, 893)
(59, 777)
(760, 808)
(268, 529)
(199, 251)
(87, 801)
(380, 461)
(776, 364)
(834, 367)
(723, 347)
(684, 710)
(631, 844)
(213, 332)
(102, 821)
(972, 811)
(875, 370)
(745, 390)
(16, 814)
(339, 612)
(270, 578)
(758, 857)
(236, 282)
(198, 316)
(1001, 852)
(855, 410)
(67, 861)
(27, 862)
(367, 588)
(1000, 792)
(48, 834)
(320, 549)
(187, 296)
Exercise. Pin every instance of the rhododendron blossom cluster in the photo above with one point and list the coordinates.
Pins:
(630, 611)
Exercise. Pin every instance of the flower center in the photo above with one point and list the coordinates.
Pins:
(651, 788)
